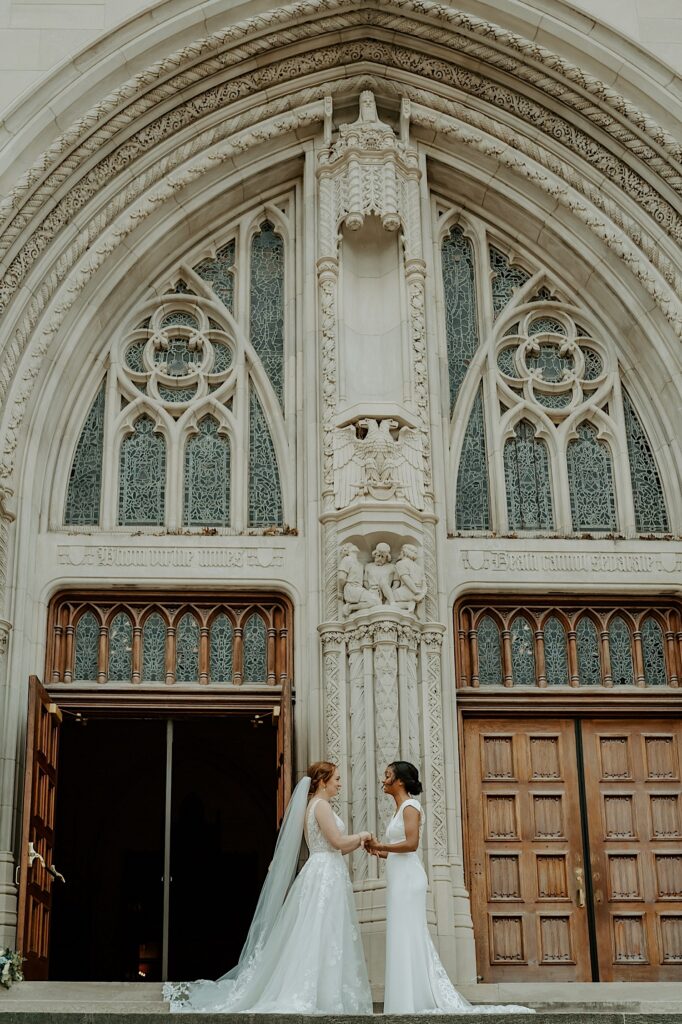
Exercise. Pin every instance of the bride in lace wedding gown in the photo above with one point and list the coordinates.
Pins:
(415, 981)
(304, 952)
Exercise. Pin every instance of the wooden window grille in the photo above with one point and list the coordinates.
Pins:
(508, 643)
(148, 638)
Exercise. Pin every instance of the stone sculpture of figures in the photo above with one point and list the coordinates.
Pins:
(350, 582)
(380, 574)
(409, 589)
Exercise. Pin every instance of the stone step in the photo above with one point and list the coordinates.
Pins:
(92, 1016)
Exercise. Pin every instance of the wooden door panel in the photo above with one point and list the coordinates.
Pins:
(35, 889)
(632, 781)
(524, 841)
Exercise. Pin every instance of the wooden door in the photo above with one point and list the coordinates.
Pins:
(40, 786)
(634, 809)
(526, 869)
(285, 749)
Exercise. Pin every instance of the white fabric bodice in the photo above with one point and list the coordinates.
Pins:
(313, 833)
(395, 832)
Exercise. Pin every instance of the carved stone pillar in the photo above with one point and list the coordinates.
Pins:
(8, 891)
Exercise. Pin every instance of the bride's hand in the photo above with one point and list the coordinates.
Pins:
(365, 837)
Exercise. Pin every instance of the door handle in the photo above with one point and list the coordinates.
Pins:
(580, 887)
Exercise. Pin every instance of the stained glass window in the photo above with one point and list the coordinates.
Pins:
(120, 649)
(134, 356)
(85, 480)
(551, 365)
(154, 649)
(207, 477)
(473, 499)
(650, 511)
(587, 642)
(590, 478)
(265, 495)
(142, 477)
(187, 650)
(506, 279)
(461, 319)
(179, 358)
(506, 363)
(546, 325)
(593, 363)
(523, 652)
(219, 274)
(255, 663)
(221, 649)
(620, 650)
(267, 304)
(489, 653)
(86, 648)
(526, 474)
(556, 653)
(653, 653)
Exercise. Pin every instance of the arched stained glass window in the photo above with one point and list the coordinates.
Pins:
(267, 304)
(120, 648)
(86, 648)
(489, 653)
(620, 650)
(526, 475)
(589, 663)
(590, 478)
(650, 511)
(219, 274)
(255, 650)
(207, 477)
(473, 497)
(154, 649)
(506, 279)
(142, 477)
(461, 317)
(523, 652)
(653, 653)
(556, 653)
(221, 649)
(265, 495)
(187, 650)
(85, 480)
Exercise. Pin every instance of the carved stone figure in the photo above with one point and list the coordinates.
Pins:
(350, 582)
(380, 574)
(409, 589)
(384, 461)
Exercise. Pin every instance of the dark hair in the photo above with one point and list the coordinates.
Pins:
(408, 775)
(320, 773)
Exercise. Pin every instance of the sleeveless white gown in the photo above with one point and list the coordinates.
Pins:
(416, 981)
(311, 962)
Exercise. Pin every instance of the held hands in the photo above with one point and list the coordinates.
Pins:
(373, 847)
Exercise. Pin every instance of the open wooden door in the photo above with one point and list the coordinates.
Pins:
(36, 872)
(285, 750)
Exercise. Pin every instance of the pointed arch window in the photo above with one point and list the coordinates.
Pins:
(142, 476)
(556, 652)
(265, 495)
(187, 650)
(526, 473)
(522, 652)
(473, 498)
(207, 476)
(85, 480)
(86, 648)
(590, 480)
(154, 649)
(653, 653)
(505, 279)
(489, 652)
(267, 304)
(221, 649)
(461, 317)
(620, 651)
(650, 512)
(120, 649)
(255, 650)
(589, 662)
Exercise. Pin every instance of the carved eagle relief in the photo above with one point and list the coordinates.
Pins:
(378, 458)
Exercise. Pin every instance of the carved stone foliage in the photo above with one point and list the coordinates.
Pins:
(380, 582)
(378, 459)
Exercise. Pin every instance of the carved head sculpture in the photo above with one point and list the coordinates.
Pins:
(382, 554)
(348, 549)
(409, 551)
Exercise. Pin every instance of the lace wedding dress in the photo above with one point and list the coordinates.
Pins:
(416, 981)
(308, 960)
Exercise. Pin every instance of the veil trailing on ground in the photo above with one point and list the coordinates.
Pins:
(280, 875)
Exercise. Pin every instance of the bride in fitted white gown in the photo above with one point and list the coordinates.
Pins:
(415, 980)
(304, 951)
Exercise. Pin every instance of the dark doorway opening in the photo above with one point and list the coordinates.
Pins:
(197, 795)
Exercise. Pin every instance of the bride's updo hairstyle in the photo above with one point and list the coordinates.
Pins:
(408, 775)
(320, 773)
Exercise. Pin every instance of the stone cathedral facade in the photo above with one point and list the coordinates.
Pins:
(342, 396)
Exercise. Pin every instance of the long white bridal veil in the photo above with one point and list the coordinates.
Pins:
(279, 878)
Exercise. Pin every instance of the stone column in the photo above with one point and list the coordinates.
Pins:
(8, 766)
